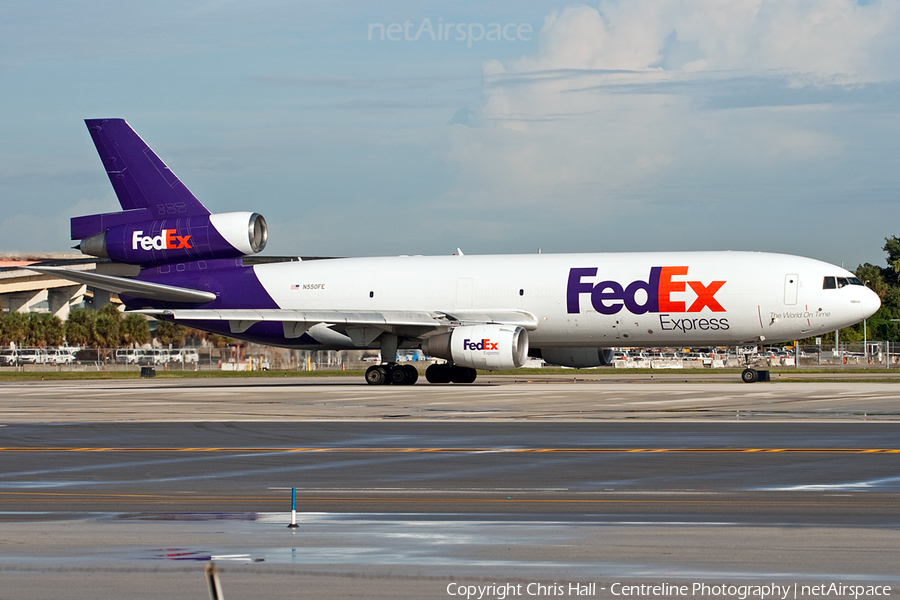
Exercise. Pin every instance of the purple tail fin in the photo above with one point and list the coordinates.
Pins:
(141, 180)
(161, 222)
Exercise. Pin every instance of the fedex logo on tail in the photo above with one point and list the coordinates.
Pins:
(167, 240)
(609, 297)
(479, 345)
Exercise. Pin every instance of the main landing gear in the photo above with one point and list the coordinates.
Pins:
(447, 373)
(391, 374)
(408, 375)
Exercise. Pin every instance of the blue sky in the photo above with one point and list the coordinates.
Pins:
(619, 126)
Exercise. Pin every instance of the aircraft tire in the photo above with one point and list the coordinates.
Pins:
(749, 376)
(403, 375)
(462, 374)
(438, 374)
(413, 374)
(377, 375)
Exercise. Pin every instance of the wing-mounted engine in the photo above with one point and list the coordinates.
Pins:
(170, 240)
(489, 347)
(579, 358)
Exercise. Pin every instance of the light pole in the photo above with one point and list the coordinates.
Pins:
(865, 334)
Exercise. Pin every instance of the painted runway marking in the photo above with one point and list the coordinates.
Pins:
(365, 450)
(74, 497)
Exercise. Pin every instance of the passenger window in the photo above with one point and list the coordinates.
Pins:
(829, 284)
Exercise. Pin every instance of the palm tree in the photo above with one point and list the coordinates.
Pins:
(13, 327)
(44, 329)
(106, 332)
(80, 327)
(135, 330)
(170, 333)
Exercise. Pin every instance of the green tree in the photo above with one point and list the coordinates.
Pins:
(13, 328)
(886, 283)
(113, 311)
(168, 332)
(219, 341)
(80, 327)
(106, 331)
(892, 247)
(44, 329)
(873, 277)
(135, 330)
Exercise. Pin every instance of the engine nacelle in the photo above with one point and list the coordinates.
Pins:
(490, 347)
(199, 237)
(579, 358)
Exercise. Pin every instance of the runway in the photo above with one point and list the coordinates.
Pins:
(548, 398)
(401, 506)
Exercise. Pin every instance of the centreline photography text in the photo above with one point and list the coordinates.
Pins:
(696, 589)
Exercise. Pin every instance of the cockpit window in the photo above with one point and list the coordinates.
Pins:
(833, 283)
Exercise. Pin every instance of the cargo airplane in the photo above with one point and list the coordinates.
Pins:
(474, 312)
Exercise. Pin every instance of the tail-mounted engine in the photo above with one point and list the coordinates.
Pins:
(489, 347)
(178, 239)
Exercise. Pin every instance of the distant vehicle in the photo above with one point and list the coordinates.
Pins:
(9, 358)
(59, 357)
(156, 357)
(135, 356)
(87, 355)
(31, 356)
(182, 355)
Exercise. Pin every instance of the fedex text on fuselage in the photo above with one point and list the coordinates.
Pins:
(608, 297)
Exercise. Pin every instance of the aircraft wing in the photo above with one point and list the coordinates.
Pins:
(361, 326)
(135, 287)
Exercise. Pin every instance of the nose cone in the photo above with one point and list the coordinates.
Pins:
(869, 303)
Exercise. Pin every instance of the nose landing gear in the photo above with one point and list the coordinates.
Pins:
(752, 375)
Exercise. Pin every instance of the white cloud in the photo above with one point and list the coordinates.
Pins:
(833, 40)
(613, 110)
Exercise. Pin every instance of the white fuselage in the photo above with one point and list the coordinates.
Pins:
(592, 300)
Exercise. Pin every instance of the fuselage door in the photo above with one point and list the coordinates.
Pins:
(791, 283)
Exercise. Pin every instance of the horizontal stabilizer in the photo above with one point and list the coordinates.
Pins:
(84, 227)
(132, 287)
